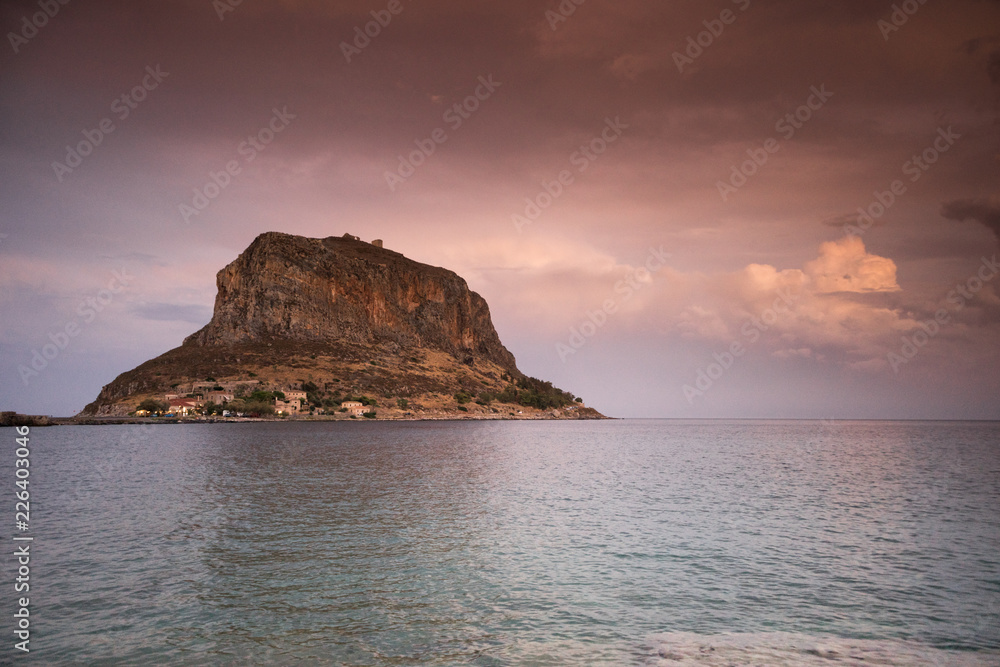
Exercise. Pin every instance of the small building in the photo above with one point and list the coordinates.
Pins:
(218, 397)
(295, 395)
(377, 243)
(355, 408)
(286, 407)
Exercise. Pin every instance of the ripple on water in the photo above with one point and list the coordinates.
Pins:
(783, 649)
(518, 544)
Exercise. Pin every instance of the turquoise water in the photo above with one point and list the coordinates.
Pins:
(514, 543)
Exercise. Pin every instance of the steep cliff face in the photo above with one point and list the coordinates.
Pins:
(341, 289)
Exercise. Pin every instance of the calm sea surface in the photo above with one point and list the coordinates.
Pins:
(511, 543)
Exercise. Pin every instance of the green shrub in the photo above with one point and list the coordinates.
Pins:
(508, 395)
(257, 408)
(462, 398)
(532, 392)
(402, 403)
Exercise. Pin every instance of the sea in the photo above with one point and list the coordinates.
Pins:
(633, 542)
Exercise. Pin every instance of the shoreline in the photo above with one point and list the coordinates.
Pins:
(43, 421)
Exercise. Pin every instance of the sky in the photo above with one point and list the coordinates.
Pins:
(711, 209)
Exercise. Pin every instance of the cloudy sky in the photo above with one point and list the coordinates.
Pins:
(735, 208)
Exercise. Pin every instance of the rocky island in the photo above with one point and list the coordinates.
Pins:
(338, 328)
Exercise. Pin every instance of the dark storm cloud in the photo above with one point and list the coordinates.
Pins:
(991, 47)
(984, 211)
(225, 73)
(993, 67)
(848, 220)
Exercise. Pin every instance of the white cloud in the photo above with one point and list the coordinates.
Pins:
(845, 266)
(833, 310)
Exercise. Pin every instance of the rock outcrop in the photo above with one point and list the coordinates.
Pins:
(349, 318)
(341, 289)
